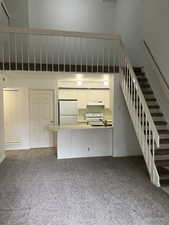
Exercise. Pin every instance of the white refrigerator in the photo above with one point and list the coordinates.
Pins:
(68, 112)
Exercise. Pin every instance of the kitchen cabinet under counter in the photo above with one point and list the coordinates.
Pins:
(82, 140)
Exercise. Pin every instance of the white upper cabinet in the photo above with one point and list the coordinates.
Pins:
(82, 98)
(99, 96)
(107, 99)
(86, 96)
(67, 94)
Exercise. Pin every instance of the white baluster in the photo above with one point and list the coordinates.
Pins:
(52, 63)
(34, 59)
(40, 55)
(16, 56)
(81, 56)
(64, 54)
(103, 60)
(22, 55)
(153, 155)
(9, 51)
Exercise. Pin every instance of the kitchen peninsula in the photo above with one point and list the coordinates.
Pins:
(82, 140)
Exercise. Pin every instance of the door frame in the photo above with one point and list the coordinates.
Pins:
(54, 109)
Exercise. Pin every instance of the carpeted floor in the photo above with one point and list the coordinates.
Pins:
(36, 189)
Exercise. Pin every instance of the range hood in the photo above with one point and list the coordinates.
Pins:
(97, 103)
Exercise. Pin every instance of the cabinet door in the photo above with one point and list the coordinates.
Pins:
(67, 94)
(99, 95)
(82, 99)
(107, 99)
(94, 96)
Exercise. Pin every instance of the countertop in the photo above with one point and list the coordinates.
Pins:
(79, 126)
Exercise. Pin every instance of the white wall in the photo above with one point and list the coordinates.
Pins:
(156, 31)
(129, 17)
(18, 9)
(76, 15)
(124, 17)
(124, 138)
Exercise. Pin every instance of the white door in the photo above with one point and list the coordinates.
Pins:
(12, 116)
(41, 115)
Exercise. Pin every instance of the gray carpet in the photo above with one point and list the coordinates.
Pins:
(36, 189)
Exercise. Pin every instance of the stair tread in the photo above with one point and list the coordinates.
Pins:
(151, 99)
(159, 114)
(164, 176)
(164, 141)
(154, 106)
(137, 69)
(145, 86)
(160, 123)
(142, 79)
(162, 162)
(164, 183)
(160, 151)
(162, 170)
(147, 92)
(163, 131)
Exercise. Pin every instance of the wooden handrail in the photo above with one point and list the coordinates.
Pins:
(4, 8)
(47, 32)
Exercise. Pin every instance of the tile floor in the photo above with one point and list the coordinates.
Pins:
(36, 189)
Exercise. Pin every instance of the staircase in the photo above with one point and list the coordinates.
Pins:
(162, 153)
(148, 120)
(146, 117)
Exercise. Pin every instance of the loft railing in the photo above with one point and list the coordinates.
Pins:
(52, 50)
(143, 123)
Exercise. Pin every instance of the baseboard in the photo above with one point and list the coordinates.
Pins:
(14, 148)
(85, 156)
(127, 154)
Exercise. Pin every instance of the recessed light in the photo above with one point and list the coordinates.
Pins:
(79, 83)
(106, 83)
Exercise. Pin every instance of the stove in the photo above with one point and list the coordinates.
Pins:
(95, 119)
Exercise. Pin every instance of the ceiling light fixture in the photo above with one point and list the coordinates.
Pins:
(106, 83)
(79, 83)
